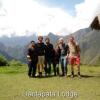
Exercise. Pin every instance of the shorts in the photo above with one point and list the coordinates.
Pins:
(75, 60)
(41, 59)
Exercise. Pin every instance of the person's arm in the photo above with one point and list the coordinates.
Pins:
(67, 50)
(45, 47)
(59, 51)
(52, 46)
(78, 49)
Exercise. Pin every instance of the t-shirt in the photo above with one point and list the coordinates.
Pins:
(40, 49)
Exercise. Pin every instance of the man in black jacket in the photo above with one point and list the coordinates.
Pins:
(48, 56)
(32, 59)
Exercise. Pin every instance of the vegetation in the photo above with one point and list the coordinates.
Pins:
(3, 60)
(15, 63)
(15, 84)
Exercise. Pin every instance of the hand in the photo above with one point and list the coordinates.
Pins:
(67, 56)
(28, 58)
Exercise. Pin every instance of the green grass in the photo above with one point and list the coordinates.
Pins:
(14, 83)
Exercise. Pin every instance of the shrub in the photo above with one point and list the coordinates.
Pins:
(15, 63)
(3, 60)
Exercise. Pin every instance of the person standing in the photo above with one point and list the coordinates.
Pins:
(41, 55)
(32, 59)
(48, 56)
(56, 58)
(74, 55)
(64, 52)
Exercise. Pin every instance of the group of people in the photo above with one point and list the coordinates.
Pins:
(42, 55)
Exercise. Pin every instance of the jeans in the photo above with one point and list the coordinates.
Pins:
(63, 62)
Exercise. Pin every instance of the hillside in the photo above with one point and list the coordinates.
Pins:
(3, 52)
(89, 41)
(90, 47)
(17, 40)
(16, 47)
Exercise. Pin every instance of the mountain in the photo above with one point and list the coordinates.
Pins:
(17, 40)
(3, 52)
(88, 39)
(14, 46)
(53, 38)
(81, 33)
(90, 48)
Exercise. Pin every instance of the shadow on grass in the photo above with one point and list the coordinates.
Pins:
(82, 76)
(43, 76)
(89, 76)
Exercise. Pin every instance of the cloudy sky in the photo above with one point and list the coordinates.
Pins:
(23, 17)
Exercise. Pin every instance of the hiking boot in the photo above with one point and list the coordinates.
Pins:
(79, 75)
(63, 75)
(29, 76)
(72, 74)
(40, 74)
(33, 76)
(46, 74)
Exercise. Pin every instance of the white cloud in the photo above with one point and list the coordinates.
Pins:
(85, 12)
(22, 15)
(25, 15)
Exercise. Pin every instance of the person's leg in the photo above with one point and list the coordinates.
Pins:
(34, 69)
(57, 68)
(45, 68)
(78, 65)
(49, 69)
(54, 68)
(30, 68)
(72, 66)
(62, 66)
(65, 66)
(39, 66)
(40, 73)
(42, 61)
(72, 70)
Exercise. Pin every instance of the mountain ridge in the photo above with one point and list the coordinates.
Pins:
(88, 39)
